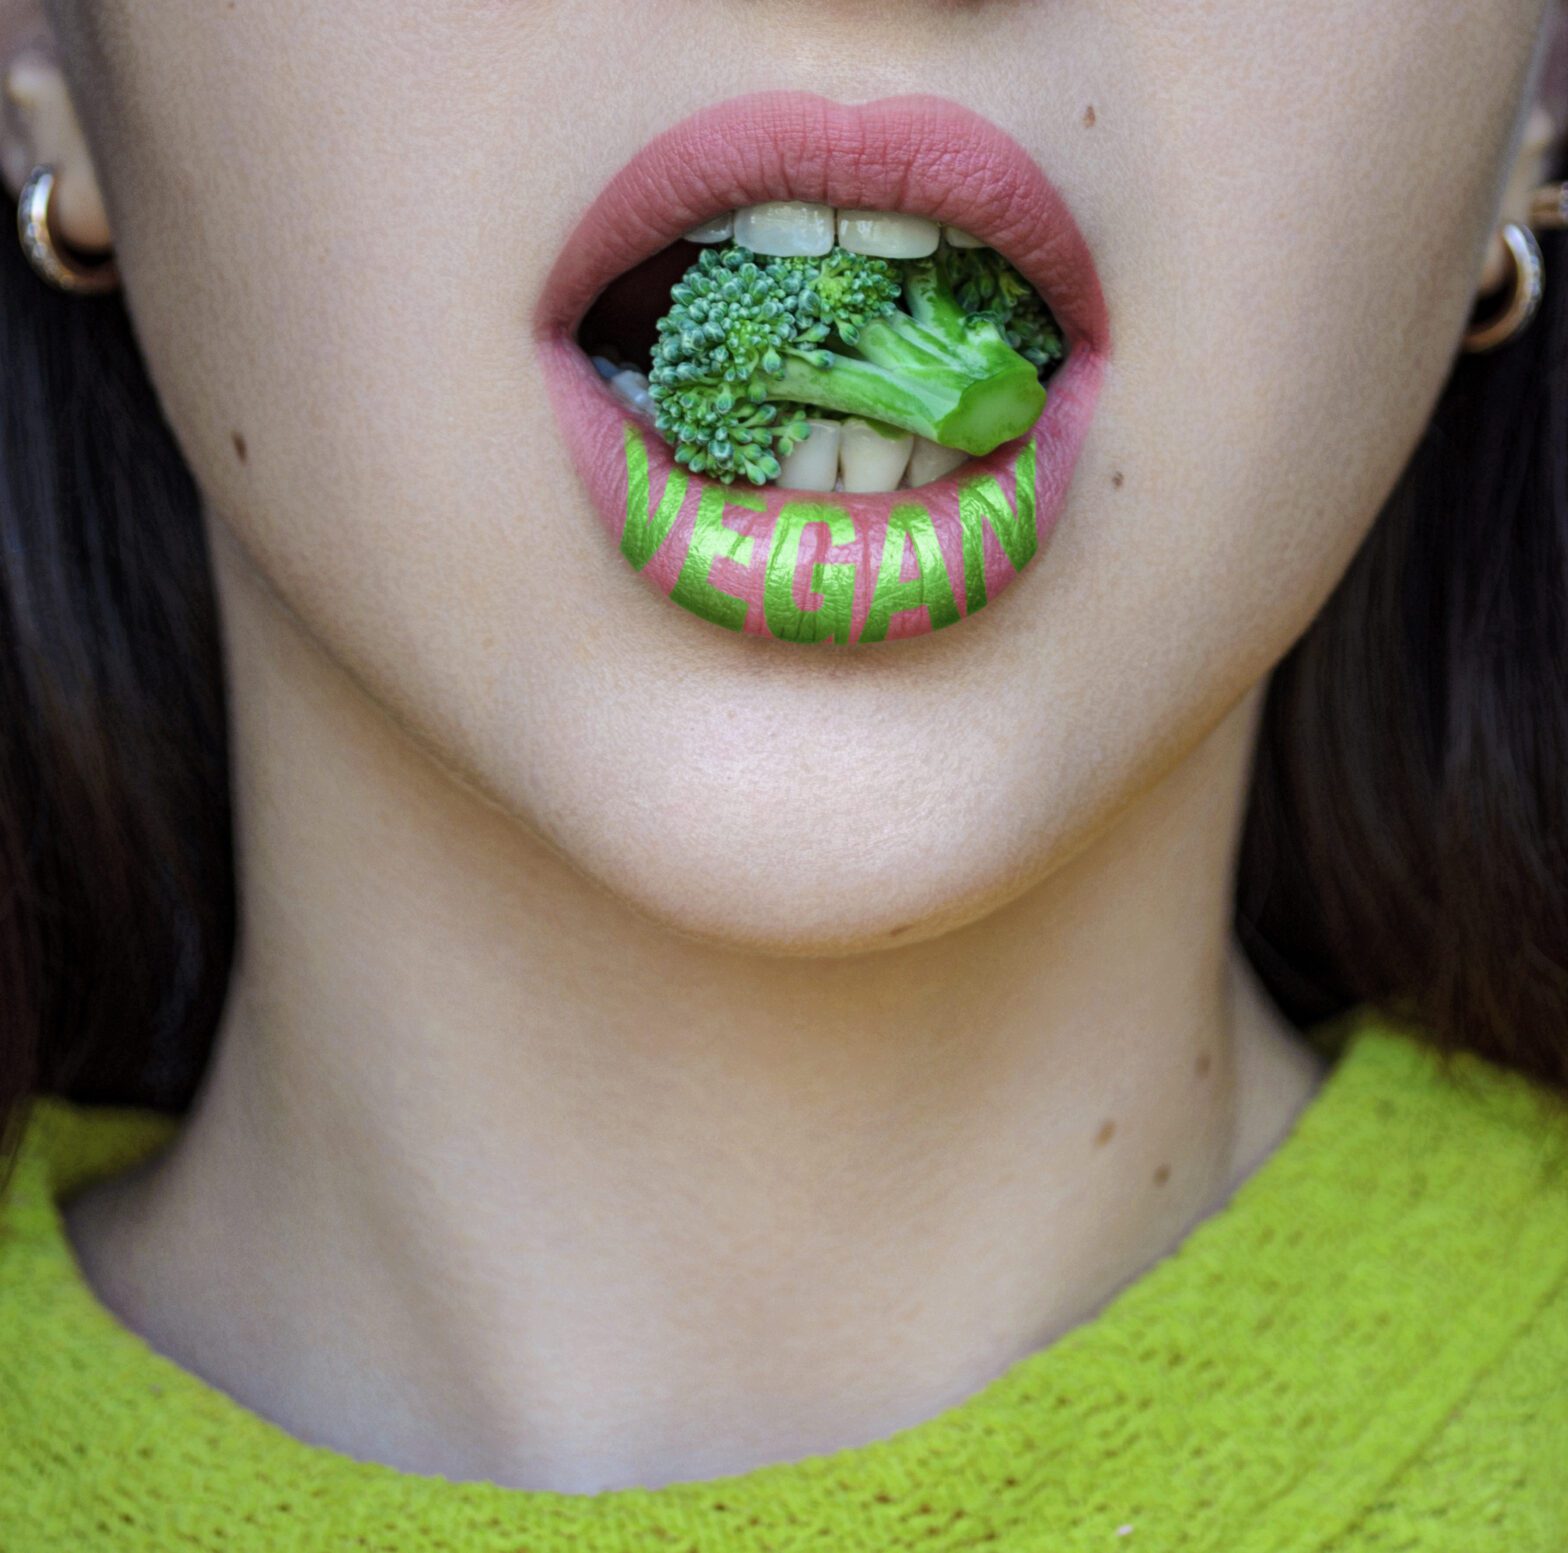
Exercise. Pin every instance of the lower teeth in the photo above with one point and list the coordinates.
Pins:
(841, 454)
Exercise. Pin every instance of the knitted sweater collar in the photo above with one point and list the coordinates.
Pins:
(1274, 1370)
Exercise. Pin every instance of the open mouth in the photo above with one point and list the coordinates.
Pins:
(833, 429)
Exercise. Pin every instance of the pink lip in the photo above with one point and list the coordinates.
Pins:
(923, 155)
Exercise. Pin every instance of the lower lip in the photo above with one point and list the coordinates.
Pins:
(810, 566)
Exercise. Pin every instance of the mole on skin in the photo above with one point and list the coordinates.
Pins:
(239, 446)
(1162, 1175)
(1116, 479)
(1104, 1134)
(1203, 1064)
(1088, 117)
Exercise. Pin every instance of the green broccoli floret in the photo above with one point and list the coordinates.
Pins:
(750, 342)
(984, 282)
(842, 290)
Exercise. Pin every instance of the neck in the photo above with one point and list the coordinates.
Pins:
(493, 1177)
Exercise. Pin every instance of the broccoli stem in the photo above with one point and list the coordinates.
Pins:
(935, 370)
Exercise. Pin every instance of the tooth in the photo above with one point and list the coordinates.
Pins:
(604, 367)
(631, 387)
(786, 228)
(813, 465)
(957, 237)
(871, 457)
(715, 231)
(887, 235)
(930, 461)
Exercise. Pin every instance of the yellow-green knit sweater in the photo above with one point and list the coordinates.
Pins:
(1366, 1347)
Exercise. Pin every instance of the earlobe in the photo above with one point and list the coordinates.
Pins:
(39, 126)
(1536, 144)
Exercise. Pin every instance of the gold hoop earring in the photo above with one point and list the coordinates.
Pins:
(1548, 212)
(46, 255)
(1524, 296)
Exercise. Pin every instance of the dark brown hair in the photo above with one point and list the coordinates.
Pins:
(1405, 845)
(116, 878)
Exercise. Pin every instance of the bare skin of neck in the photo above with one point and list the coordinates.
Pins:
(493, 1177)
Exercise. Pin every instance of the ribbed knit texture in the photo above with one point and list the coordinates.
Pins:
(1365, 1348)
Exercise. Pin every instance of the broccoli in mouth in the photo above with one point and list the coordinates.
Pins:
(952, 347)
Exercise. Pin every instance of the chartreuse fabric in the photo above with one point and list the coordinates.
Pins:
(1365, 1347)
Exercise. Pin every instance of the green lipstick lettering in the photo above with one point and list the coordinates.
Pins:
(645, 528)
(834, 580)
(910, 523)
(711, 540)
(982, 501)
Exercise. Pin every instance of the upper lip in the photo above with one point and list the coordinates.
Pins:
(919, 154)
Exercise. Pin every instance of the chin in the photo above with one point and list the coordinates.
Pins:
(805, 863)
(816, 909)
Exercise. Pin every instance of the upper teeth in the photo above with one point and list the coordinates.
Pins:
(785, 227)
(715, 231)
(794, 227)
(886, 236)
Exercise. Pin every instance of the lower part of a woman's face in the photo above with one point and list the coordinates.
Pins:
(344, 225)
